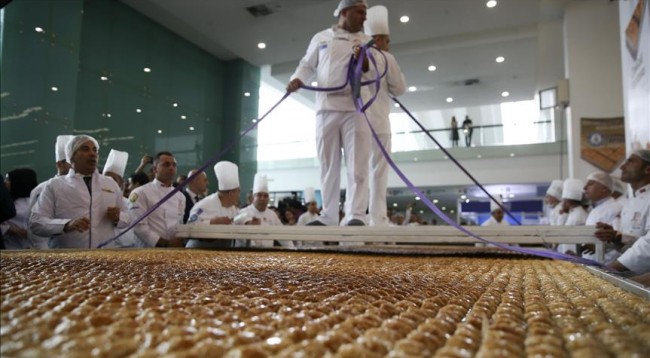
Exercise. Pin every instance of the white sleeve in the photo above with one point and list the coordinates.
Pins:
(395, 77)
(138, 206)
(42, 221)
(637, 257)
(307, 67)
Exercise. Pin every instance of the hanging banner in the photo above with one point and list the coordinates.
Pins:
(603, 142)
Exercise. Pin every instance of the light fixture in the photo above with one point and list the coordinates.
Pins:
(479, 156)
(466, 200)
(417, 198)
(404, 19)
(174, 104)
(505, 94)
(247, 94)
(160, 131)
(415, 159)
(261, 45)
(512, 195)
(183, 116)
(254, 120)
(449, 99)
(103, 78)
(421, 211)
(463, 196)
(108, 115)
(512, 154)
(435, 201)
(39, 29)
(314, 84)
(413, 89)
(444, 208)
(396, 105)
(394, 205)
(451, 211)
(54, 89)
(491, 3)
(432, 68)
(191, 128)
(147, 69)
(138, 110)
(500, 59)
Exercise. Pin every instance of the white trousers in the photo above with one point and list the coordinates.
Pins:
(379, 181)
(348, 131)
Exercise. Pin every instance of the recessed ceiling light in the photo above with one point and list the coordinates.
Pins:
(254, 120)
(39, 29)
(160, 131)
(54, 89)
(451, 211)
(394, 205)
(404, 19)
(108, 115)
(191, 128)
(417, 198)
(463, 196)
(397, 105)
(183, 116)
(413, 89)
(500, 59)
(147, 69)
(247, 94)
(449, 99)
(138, 110)
(261, 45)
(314, 84)
(435, 201)
(512, 195)
(512, 154)
(444, 208)
(479, 156)
(432, 68)
(467, 200)
(505, 94)
(421, 211)
(174, 104)
(491, 3)
(103, 78)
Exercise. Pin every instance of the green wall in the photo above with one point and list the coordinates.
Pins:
(85, 40)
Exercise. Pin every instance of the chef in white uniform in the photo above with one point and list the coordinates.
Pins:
(219, 208)
(159, 228)
(312, 208)
(258, 213)
(392, 84)
(115, 168)
(553, 200)
(62, 168)
(83, 208)
(496, 216)
(338, 125)
(598, 189)
(634, 232)
(572, 196)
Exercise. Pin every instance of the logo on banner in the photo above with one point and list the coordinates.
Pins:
(603, 142)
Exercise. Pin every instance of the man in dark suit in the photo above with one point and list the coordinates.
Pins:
(195, 190)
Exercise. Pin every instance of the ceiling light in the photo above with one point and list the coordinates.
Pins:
(505, 94)
(444, 208)
(479, 156)
(138, 110)
(404, 19)
(512, 195)
(512, 154)
(500, 59)
(417, 198)
(413, 89)
(467, 200)
(396, 105)
(261, 45)
(108, 115)
(247, 94)
(421, 211)
(160, 131)
(491, 3)
(432, 68)
(449, 99)
(254, 120)
(394, 205)
(54, 89)
(191, 128)
(451, 211)
(174, 104)
(463, 196)
(183, 116)
(38, 29)
(435, 201)
(314, 84)
(147, 69)
(103, 78)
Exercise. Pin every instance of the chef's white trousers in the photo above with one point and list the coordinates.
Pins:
(379, 181)
(349, 131)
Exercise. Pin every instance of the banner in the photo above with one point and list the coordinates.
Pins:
(602, 142)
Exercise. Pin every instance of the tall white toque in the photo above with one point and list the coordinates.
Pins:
(260, 184)
(116, 162)
(555, 189)
(310, 195)
(376, 21)
(227, 175)
(572, 189)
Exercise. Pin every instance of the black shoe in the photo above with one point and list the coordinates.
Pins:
(355, 222)
(315, 223)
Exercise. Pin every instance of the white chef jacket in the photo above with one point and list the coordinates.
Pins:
(66, 198)
(37, 242)
(393, 84)
(637, 257)
(556, 218)
(577, 216)
(204, 211)
(306, 217)
(493, 222)
(267, 218)
(21, 220)
(608, 211)
(162, 222)
(327, 58)
(635, 216)
(128, 239)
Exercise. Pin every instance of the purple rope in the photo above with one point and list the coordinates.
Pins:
(210, 162)
(456, 161)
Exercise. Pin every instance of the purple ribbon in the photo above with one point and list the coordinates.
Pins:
(210, 162)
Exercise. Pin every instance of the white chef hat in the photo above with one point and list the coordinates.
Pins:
(260, 184)
(76, 142)
(602, 178)
(618, 185)
(59, 149)
(310, 195)
(494, 205)
(644, 154)
(344, 4)
(555, 189)
(116, 162)
(227, 175)
(572, 189)
(376, 21)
